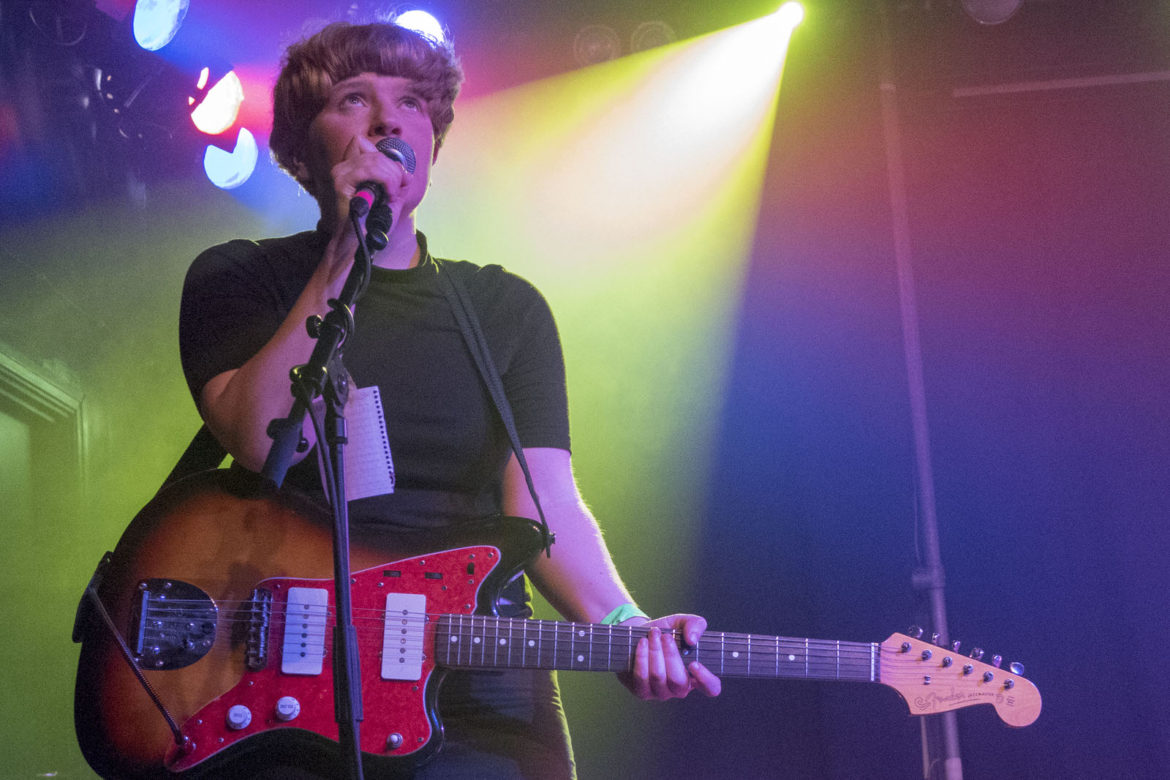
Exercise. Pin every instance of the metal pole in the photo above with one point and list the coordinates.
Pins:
(930, 578)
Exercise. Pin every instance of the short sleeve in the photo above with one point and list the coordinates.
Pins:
(235, 297)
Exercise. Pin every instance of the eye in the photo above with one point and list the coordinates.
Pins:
(353, 99)
(412, 103)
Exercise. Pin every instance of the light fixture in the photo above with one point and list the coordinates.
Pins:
(651, 35)
(221, 106)
(228, 170)
(157, 21)
(991, 11)
(596, 43)
(423, 23)
(791, 15)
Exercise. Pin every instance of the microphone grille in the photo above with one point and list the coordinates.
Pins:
(398, 150)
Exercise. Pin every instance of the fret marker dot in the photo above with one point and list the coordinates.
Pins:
(580, 658)
(531, 643)
(503, 642)
(476, 640)
(580, 633)
(791, 658)
(735, 654)
(454, 639)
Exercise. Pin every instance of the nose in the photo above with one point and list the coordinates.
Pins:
(386, 123)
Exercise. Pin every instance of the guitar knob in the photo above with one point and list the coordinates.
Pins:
(238, 717)
(977, 653)
(996, 660)
(287, 708)
(394, 741)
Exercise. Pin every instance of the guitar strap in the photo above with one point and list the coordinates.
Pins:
(465, 315)
(202, 454)
(205, 452)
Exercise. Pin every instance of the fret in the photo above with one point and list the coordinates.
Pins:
(590, 631)
(609, 650)
(556, 641)
(524, 647)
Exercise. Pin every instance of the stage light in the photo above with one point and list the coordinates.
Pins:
(157, 21)
(651, 35)
(220, 108)
(991, 11)
(228, 170)
(596, 43)
(791, 14)
(421, 22)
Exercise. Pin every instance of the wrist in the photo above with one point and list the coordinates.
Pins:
(623, 613)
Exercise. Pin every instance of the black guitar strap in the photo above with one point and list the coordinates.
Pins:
(477, 344)
(203, 453)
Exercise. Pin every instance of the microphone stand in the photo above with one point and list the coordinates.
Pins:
(325, 376)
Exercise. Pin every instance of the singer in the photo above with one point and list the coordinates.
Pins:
(242, 326)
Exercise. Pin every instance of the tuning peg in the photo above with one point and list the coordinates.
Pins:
(977, 653)
(1015, 667)
(996, 660)
(955, 646)
(934, 638)
(915, 631)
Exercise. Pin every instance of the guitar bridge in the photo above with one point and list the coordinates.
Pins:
(259, 616)
(173, 624)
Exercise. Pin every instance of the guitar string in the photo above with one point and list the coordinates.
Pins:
(759, 643)
(761, 648)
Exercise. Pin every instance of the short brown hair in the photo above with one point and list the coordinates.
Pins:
(343, 50)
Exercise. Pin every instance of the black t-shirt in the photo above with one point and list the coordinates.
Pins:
(448, 445)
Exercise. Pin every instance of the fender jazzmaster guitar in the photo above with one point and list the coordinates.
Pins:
(217, 647)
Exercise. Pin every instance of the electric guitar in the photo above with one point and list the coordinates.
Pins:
(214, 646)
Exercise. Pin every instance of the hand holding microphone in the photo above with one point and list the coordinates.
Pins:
(370, 193)
(370, 197)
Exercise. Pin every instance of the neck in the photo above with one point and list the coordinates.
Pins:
(402, 250)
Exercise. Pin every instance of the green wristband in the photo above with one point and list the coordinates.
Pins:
(622, 614)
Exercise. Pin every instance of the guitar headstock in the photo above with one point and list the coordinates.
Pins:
(934, 679)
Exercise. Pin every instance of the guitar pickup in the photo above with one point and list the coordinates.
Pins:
(307, 612)
(403, 636)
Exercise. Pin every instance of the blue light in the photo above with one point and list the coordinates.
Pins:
(228, 170)
(157, 21)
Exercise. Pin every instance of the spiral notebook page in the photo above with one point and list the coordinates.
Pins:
(369, 470)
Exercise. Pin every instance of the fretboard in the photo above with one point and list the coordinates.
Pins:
(478, 642)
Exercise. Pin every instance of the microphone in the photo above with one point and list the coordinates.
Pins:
(371, 192)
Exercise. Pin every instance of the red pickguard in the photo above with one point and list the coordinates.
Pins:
(391, 707)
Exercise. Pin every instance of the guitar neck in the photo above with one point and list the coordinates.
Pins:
(484, 642)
